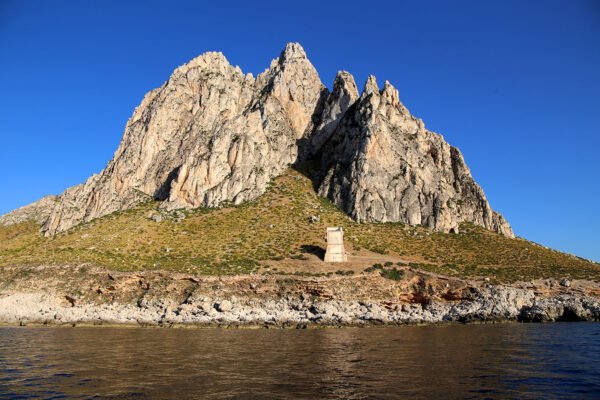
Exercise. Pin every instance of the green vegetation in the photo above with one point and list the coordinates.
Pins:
(393, 274)
(276, 228)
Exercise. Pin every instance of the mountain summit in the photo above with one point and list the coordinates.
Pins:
(212, 135)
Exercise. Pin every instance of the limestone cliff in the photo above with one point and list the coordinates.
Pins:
(212, 135)
(209, 135)
(382, 165)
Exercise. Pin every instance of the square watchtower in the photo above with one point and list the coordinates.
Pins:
(335, 245)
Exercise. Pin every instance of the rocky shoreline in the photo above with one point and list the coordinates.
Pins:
(84, 295)
(40, 309)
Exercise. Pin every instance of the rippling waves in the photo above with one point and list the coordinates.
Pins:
(436, 362)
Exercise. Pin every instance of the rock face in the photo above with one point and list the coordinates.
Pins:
(209, 135)
(140, 298)
(343, 96)
(38, 212)
(212, 135)
(382, 165)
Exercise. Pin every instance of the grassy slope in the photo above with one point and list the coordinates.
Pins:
(273, 229)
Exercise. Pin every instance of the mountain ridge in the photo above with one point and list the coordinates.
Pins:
(212, 135)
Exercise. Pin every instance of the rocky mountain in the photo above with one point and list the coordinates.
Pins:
(38, 212)
(382, 165)
(212, 135)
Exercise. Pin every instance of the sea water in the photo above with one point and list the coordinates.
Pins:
(560, 360)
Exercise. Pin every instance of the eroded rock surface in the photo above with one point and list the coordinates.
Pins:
(94, 296)
(212, 135)
(38, 212)
(209, 135)
(382, 165)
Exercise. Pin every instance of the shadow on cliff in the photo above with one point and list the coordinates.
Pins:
(309, 161)
(312, 170)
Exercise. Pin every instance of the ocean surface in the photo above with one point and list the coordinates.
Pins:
(537, 361)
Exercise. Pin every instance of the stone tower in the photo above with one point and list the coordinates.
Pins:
(335, 245)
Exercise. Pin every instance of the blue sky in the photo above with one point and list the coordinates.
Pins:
(515, 85)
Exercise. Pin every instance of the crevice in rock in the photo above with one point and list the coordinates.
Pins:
(569, 315)
(163, 192)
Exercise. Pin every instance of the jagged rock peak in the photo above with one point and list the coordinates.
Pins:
(383, 166)
(208, 57)
(345, 86)
(214, 60)
(390, 93)
(390, 96)
(212, 135)
(345, 94)
(209, 135)
(370, 86)
(292, 52)
(294, 81)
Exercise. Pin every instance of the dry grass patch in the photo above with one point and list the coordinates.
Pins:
(274, 232)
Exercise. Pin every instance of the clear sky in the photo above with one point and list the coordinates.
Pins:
(514, 84)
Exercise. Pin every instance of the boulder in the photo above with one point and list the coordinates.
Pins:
(224, 306)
